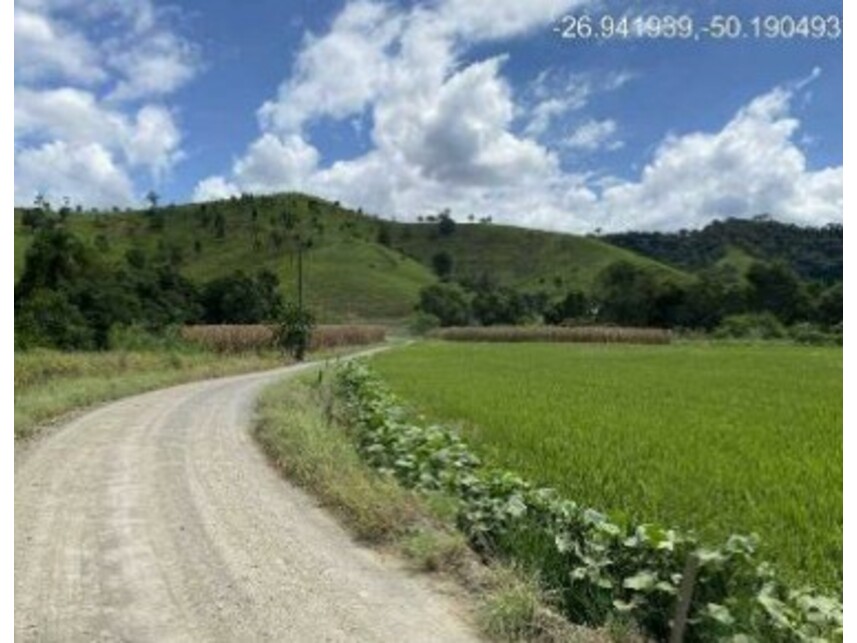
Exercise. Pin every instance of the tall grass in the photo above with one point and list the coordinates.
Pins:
(577, 334)
(241, 338)
(49, 384)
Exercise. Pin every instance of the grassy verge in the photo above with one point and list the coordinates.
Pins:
(298, 425)
(50, 384)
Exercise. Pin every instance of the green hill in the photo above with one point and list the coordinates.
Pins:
(358, 267)
(529, 259)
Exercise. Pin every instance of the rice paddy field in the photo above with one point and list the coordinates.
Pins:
(718, 438)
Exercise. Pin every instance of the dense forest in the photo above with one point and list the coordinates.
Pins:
(813, 253)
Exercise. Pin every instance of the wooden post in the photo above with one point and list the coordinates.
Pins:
(685, 594)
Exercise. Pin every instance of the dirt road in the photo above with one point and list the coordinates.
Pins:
(157, 518)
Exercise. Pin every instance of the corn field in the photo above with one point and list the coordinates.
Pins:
(253, 337)
(580, 334)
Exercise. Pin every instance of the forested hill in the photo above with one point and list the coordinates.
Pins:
(813, 253)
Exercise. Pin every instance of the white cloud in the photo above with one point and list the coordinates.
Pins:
(273, 161)
(87, 72)
(214, 188)
(152, 140)
(84, 173)
(434, 121)
(149, 138)
(159, 64)
(554, 95)
(326, 80)
(495, 19)
(749, 167)
(593, 135)
(45, 48)
(449, 134)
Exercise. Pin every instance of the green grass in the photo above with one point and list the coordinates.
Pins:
(529, 259)
(718, 438)
(49, 384)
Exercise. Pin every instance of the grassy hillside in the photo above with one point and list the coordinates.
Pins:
(349, 274)
(531, 259)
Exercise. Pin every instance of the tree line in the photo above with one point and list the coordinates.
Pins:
(71, 297)
(630, 295)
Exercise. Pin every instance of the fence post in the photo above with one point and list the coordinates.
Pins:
(685, 594)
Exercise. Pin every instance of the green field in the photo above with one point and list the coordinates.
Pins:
(716, 438)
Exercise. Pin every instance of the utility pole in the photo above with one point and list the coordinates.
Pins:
(301, 246)
(300, 274)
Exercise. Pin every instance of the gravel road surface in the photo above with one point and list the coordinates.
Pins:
(158, 518)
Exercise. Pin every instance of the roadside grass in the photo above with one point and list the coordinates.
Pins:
(50, 384)
(298, 425)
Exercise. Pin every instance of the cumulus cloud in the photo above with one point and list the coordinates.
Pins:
(435, 122)
(148, 138)
(46, 48)
(214, 188)
(84, 173)
(445, 133)
(92, 96)
(751, 166)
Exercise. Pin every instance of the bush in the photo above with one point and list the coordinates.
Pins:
(47, 318)
(422, 323)
(806, 333)
(751, 326)
(447, 302)
(294, 331)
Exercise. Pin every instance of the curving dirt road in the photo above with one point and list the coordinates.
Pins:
(157, 518)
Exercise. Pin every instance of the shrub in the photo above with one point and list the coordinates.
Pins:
(806, 333)
(292, 334)
(447, 302)
(751, 326)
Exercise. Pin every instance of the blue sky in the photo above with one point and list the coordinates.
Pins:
(410, 107)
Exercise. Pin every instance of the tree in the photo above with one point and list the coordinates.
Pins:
(717, 293)
(626, 294)
(48, 318)
(294, 330)
(384, 235)
(446, 224)
(54, 259)
(497, 306)
(219, 225)
(442, 264)
(447, 302)
(776, 288)
(152, 197)
(241, 299)
(574, 306)
(829, 307)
